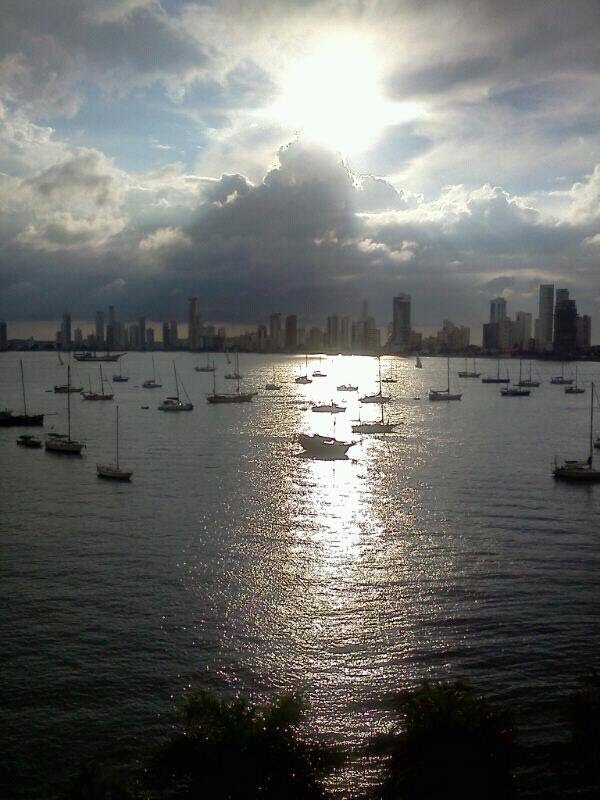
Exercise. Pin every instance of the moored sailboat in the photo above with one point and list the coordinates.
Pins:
(580, 471)
(9, 419)
(379, 397)
(114, 471)
(497, 379)
(575, 389)
(102, 395)
(516, 390)
(59, 442)
(444, 394)
(152, 383)
(176, 403)
(229, 397)
(469, 373)
(304, 379)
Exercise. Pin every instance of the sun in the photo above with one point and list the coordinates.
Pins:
(333, 95)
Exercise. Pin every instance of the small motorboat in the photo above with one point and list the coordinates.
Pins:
(26, 440)
(318, 374)
(272, 387)
(323, 446)
(347, 387)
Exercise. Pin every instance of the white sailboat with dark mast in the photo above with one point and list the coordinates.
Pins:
(114, 471)
(469, 373)
(528, 381)
(497, 379)
(59, 442)
(152, 383)
(444, 394)
(560, 380)
(516, 390)
(176, 403)
(575, 388)
(580, 471)
(229, 397)
(102, 395)
(379, 397)
(304, 379)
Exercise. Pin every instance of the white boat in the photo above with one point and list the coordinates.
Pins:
(418, 364)
(444, 394)
(95, 395)
(560, 380)
(229, 397)
(152, 383)
(575, 389)
(120, 378)
(328, 408)
(208, 367)
(515, 390)
(235, 375)
(114, 471)
(304, 379)
(59, 442)
(347, 387)
(528, 381)
(318, 373)
(323, 446)
(176, 403)
(580, 471)
(379, 426)
(469, 373)
(379, 397)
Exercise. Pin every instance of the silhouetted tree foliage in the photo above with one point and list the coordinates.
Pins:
(95, 782)
(231, 750)
(582, 710)
(449, 743)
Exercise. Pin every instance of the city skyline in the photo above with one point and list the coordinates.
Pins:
(259, 168)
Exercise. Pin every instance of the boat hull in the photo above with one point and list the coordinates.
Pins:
(323, 446)
(64, 446)
(577, 474)
(89, 358)
(215, 399)
(443, 396)
(112, 472)
(29, 441)
(375, 427)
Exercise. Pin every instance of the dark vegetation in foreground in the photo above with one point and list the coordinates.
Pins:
(446, 742)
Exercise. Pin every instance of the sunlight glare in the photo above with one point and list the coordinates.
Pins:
(333, 96)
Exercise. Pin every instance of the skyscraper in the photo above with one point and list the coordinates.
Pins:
(545, 321)
(193, 332)
(99, 329)
(3, 336)
(142, 333)
(173, 333)
(111, 333)
(291, 332)
(165, 336)
(401, 321)
(275, 331)
(65, 331)
(345, 330)
(565, 323)
(522, 330)
(333, 331)
(584, 332)
(497, 310)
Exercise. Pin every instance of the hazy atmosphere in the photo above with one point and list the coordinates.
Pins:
(297, 156)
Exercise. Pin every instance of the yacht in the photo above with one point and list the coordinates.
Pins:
(152, 383)
(580, 471)
(516, 390)
(444, 394)
(497, 379)
(575, 388)
(229, 397)
(560, 380)
(304, 379)
(469, 373)
(26, 440)
(323, 446)
(347, 387)
(379, 397)
(97, 395)
(528, 381)
(208, 367)
(176, 403)
(119, 377)
(60, 442)
(9, 419)
(379, 426)
(114, 471)
(331, 408)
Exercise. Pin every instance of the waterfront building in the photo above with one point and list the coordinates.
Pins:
(584, 332)
(165, 336)
(545, 321)
(565, 323)
(401, 321)
(142, 333)
(522, 330)
(345, 332)
(78, 338)
(100, 334)
(333, 332)
(173, 334)
(3, 336)
(275, 331)
(291, 332)
(194, 325)
(65, 332)
(150, 338)
(497, 310)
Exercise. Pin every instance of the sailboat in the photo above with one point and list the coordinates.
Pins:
(63, 388)
(319, 446)
(444, 394)
(528, 381)
(497, 379)
(114, 471)
(347, 387)
(576, 389)
(580, 471)
(304, 379)
(58, 442)
(380, 426)
(389, 378)
(515, 391)
(229, 397)
(467, 373)
(152, 383)
(418, 364)
(176, 403)
(379, 397)
(208, 367)
(8, 419)
(120, 378)
(318, 373)
(95, 395)
(560, 380)
(328, 408)
(235, 375)
(272, 386)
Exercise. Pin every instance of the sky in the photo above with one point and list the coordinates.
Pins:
(298, 157)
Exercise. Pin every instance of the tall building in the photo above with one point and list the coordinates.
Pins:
(65, 331)
(165, 336)
(173, 333)
(401, 321)
(333, 331)
(497, 310)
(3, 336)
(193, 324)
(142, 333)
(112, 338)
(100, 329)
(345, 331)
(584, 332)
(291, 332)
(522, 330)
(565, 324)
(372, 334)
(275, 333)
(545, 320)
(78, 338)
(150, 338)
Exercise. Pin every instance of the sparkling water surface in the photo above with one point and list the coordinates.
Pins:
(445, 550)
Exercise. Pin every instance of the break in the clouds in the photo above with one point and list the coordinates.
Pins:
(297, 157)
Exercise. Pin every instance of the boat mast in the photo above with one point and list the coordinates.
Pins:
(117, 437)
(23, 389)
(69, 402)
(591, 458)
(176, 382)
(237, 371)
(379, 366)
(448, 389)
(101, 381)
